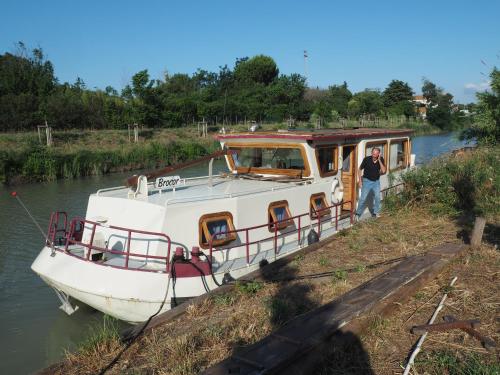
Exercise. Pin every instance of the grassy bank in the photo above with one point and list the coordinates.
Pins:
(82, 153)
(75, 154)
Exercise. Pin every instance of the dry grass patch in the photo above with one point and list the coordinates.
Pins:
(211, 331)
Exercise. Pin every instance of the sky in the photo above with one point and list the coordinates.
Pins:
(365, 43)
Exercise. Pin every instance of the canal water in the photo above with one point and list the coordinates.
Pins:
(34, 332)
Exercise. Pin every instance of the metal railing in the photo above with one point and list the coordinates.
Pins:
(316, 215)
(72, 237)
(54, 227)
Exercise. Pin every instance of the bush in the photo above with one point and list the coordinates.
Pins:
(464, 183)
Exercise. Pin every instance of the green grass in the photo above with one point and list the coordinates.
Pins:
(250, 287)
(93, 153)
(102, 335)
(445, 362)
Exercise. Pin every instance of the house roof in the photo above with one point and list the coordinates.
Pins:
(319, 135)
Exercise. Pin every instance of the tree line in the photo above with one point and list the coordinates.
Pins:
(252, 90)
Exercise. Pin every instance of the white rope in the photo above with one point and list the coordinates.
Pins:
(422, 338)
(31, 216)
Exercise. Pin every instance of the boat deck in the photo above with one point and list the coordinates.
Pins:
(198, 189)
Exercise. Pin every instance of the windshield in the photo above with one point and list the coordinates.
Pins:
(260, 159)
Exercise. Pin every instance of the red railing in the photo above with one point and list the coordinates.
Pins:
(318, 216)
(54, 227)
(72, 239)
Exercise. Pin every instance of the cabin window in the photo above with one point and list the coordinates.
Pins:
(318, 206)
(398, 155)
(269, 159)
(215, 228)
(381, 145)
(278, 212)
(326, 157)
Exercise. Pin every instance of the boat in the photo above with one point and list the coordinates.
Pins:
(161, 239)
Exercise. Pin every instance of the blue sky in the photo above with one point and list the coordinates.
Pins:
(366, 43)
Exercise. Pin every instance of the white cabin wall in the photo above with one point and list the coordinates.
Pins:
(127, 213)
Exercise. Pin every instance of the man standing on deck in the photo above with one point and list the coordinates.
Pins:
(371, 168)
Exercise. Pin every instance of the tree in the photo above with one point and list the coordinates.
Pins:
(398, 97)
(439, 107)
(486, 128)
(340, 96)
(258, 69)
(430, 91)
(367, 102)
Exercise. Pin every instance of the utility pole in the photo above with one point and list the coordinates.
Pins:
(305, 64)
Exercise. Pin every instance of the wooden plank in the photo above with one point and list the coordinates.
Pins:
(314, 328)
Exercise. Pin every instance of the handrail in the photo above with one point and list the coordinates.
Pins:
(90, 246)
(298, 228)
(53, 226)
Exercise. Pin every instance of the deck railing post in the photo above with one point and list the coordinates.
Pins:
(275, 238)
(300, 230)
(128, 249)
(247, 246)
(91, 241)
(69, 234)
(336, 217)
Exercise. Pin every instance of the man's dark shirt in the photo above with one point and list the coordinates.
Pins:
(370, 169)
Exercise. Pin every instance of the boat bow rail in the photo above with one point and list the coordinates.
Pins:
(73, 244)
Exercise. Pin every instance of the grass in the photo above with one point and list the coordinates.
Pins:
(446, 362)
(210, 332)
(23, 158)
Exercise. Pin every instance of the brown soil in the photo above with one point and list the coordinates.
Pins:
(210, 332)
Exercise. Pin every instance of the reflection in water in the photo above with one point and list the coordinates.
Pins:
(34, 331)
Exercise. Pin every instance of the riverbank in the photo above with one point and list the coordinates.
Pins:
(431, 211)
(75, 154)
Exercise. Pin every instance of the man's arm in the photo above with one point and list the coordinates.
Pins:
(360, 173)
(383, 169)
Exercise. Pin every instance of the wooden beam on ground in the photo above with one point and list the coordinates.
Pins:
(297, 347)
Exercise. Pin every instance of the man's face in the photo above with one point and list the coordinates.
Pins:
(375, 154)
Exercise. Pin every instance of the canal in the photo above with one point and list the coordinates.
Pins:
(34, 331)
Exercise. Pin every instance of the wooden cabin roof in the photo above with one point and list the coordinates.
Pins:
(319, 135)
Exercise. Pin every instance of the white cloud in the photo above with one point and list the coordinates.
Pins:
(474, 87)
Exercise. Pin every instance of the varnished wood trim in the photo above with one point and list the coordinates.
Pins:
(335, 160)
(273, 171)
(312, 206)
(406, 151)
(270, 212)
(203, 229)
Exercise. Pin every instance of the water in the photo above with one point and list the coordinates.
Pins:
(33, 331)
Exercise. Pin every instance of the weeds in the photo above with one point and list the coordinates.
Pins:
(250, 287)
(445, 362)
(339, 275)
(102, 336)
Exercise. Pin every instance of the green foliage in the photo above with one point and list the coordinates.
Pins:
(259, 69)
(40, 163)
(486, 128)
(439, 108)
(339, 275)
(446, 362)
(397, 98)
(250, 287)
(101, 335)
(463, 184)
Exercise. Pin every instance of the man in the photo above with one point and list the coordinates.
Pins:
(371, 168)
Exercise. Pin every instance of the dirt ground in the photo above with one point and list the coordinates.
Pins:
(210, 332)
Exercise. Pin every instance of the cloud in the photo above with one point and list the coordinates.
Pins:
(472, 88)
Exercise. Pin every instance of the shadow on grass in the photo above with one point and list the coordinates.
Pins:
(341, 354)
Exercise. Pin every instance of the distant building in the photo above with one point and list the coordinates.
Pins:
(421, 103)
